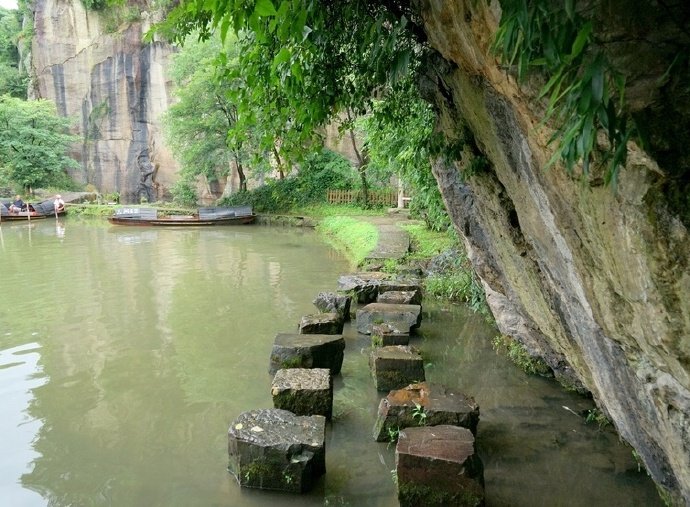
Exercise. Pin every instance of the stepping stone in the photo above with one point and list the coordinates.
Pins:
(400, 297)
(395, 367)
(413, 286)
(424, 404)
(402, 318)
(332, 302)
(275, 449)
(307, 351)
(304, 391)
(383, 335)
(364, 287)
(321, 323)
(437, 466)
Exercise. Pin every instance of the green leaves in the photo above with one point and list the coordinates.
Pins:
(264, 8)
(580, 82)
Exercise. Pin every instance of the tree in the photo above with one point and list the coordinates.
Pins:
(12, 81)
(34, 142)
(300, 63)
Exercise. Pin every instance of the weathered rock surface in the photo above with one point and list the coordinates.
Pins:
(307, 351)
(332, 302)
(118, 89)
(303, 391)
(395, 367)
(438, 467)
(275, 449)
(321, 323)
(424, 404)
(407, 285)
(402, 318)
(364, 287)
(383, 335)
(593, 280)
(400, 297)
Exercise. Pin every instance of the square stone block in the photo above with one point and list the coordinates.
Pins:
(278, 450)
(383, 335)
(304, 391)
(402, 318)
(307, 351)
(321, 323)
(437, 466)
(395, 367)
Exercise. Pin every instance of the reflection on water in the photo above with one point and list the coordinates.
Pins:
(126, 352)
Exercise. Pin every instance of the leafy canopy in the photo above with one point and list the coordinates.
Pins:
(302, 62)
(34, 142)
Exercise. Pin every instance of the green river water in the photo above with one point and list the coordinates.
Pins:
(125, 354)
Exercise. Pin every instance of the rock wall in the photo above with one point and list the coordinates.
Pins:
(102, 74)
(593, 280)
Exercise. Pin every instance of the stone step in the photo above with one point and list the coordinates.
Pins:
(438, 466)
(277, 450)
(395, 367)
(402, 318)
(332, 302)
(303, 391)
(424, 404)
(321, 323)
(292, 350)
(384, 335)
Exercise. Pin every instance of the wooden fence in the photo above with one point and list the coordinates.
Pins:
(387, 197)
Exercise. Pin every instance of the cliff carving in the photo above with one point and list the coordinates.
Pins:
(593, 280)
(115, 86)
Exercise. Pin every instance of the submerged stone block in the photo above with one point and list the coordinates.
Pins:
(304, 391)
(395, 367)
(402, 318)
(424, 404)
(364, 287)
(332, 302)
(383, 335)
(400, 297)
(275, 449)
(412, 286)
(437, 466)
(307, 351)
(321, 323)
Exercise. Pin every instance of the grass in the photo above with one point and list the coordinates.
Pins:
(517, 353)
(355, 238)
(427, 243)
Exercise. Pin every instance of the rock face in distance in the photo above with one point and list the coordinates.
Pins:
(332, 302)
(275, 449)
(437, 466)
(116, 86)
(303, 391)
(402, 318)
(321, 323)
(307, 351)
(395, 367)
(424, 404)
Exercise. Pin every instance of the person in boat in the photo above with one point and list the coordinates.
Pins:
(58, 203)
(18, 205)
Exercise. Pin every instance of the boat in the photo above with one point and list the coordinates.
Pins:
(236, 215)
(43, 209)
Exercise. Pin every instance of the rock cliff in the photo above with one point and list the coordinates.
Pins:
(97, 69)
(592, 279)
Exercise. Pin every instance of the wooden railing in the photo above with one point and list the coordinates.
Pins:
(387, 197)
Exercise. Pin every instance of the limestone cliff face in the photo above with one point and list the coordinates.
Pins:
(115, 87)
(594, 281)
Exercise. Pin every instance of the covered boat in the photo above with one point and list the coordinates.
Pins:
(33, 211)
(236, 215)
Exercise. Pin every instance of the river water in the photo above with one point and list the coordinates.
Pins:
(125, 354)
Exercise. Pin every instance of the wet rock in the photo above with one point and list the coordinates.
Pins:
(307, 351)
(402, 318)
(437, 466)
(275, 449)
(304, 391)
(383, 335)
(424, 404)
(332, 302)
(321, 323)
(395, 367)
(401, 285)
(400, 297)
(364, 287)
